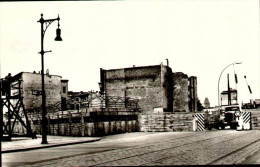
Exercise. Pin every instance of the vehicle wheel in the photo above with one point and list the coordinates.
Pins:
(232, 126)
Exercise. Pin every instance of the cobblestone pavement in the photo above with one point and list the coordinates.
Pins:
(194, 148)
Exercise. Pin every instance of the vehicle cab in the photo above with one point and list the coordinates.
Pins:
(228, 116)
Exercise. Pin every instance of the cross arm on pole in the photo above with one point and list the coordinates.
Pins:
(42, 52)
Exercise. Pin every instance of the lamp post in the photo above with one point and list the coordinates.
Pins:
(220, 77)
(58, 38)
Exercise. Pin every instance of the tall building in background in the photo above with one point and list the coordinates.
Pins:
(206, 103)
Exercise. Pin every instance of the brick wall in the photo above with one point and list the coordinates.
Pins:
(154, 86)
(92, 128)
(193, 94)
(180, 92)
(165, 122)
(114, 82)
(33, 81)
(91, 122)
(150, 85)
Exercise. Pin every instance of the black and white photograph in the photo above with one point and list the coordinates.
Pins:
(130, 83)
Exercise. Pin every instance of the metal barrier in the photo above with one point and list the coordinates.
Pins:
(246, 117)
(200, 121)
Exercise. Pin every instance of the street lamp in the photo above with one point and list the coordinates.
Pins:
(58, 38)
(220, 77)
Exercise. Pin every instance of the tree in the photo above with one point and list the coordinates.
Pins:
(199, 105)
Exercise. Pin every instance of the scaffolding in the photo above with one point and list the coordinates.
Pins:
(12, 108)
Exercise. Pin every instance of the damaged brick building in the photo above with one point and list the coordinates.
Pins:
(146, 98)
(157, 88)
(56, 89)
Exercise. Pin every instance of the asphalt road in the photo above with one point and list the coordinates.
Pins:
(149, 149)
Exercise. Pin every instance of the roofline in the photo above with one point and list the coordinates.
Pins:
(34, 73)
(136, 67)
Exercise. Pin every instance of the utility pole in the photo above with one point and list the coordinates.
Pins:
(229, 92)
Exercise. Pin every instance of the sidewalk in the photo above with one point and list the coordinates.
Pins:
(26, 143)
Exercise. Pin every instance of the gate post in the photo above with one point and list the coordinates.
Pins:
(82, 124)
(195, 124)
(200, 123)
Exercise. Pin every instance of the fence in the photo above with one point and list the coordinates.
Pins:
(96, 116)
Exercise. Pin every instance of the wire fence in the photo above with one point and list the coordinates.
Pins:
(103, 105)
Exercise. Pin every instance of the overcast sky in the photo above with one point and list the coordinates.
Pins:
(200, 38)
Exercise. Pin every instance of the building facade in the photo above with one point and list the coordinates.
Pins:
(180, 92)
(193, 96)
(184, 93)
(233, 97)
(151, 85)
(156, 88)
(56, 89)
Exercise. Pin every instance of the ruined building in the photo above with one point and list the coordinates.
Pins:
(156, 87)
(184, 92)
(193, 97)
(151, 85)
(56, 89)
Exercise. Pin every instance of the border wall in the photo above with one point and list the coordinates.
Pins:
(97, 122)
(255, 118)
(166, 122)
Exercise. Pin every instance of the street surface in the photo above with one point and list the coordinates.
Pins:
(149, 149)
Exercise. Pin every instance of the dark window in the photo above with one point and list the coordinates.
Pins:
(64, 89)
(72, 106)
(232, 109)
(63, 104)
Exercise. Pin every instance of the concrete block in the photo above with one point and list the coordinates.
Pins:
(112, 127)
(90, 129)
(123, 127)
(118, 127)
(158, 110)
(106, 128)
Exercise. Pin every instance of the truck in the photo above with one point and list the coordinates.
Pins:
(229, 116)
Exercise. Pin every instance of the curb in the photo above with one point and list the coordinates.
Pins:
(48, 146)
